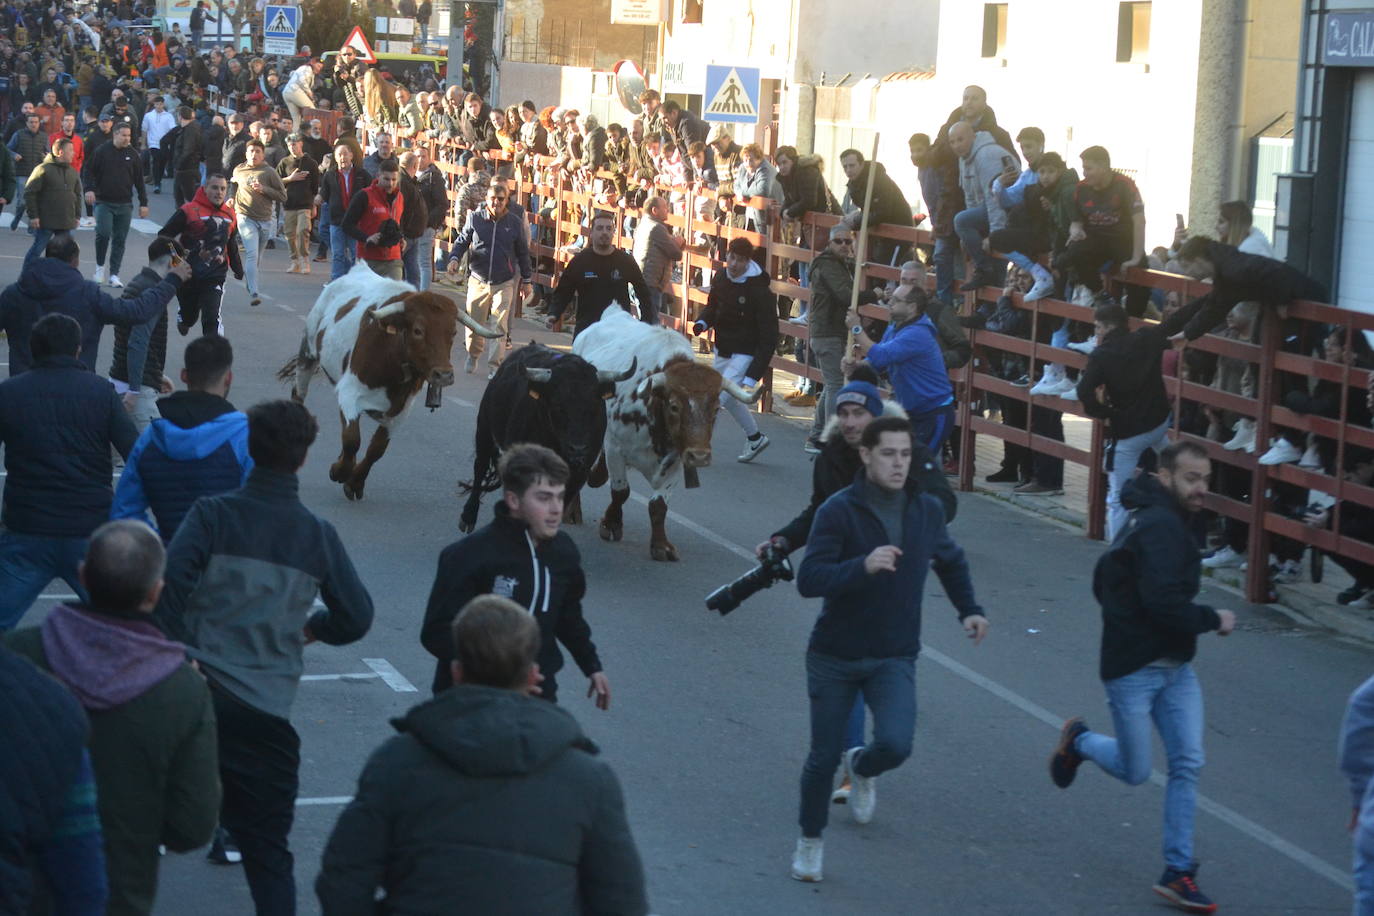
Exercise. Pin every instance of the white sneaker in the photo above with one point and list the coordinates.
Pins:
(87, 222)
(1044, 284)
(1281, 451)
(752, 447)
(800, 319)
(116, 282)
(1311, 459)
(1244, 437)
(100, 274)
(1083, 346)
(1050, 381)
(806, 861)
(471, 365)
(1225, 558)
(863, 796)
(1069, 392)
(1084, 297)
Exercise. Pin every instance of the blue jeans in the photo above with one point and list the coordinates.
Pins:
(1171, 698)
(649, 311)
(28, 562)
(425, 246)
(933, 427)
(343, 252)
(971, 226)
(1124, 458)
(255, 234)
(945, 249)
(889, 687)
(323, 229)
(1364, 863)
(410, 262)
(40, 242)
(111, 231)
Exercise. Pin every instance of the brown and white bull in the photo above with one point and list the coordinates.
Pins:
(379, 342)
(660, 418)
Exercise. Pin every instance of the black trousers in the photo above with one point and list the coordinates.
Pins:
(1045, 470)
(200, 300)
(1089, 258)
(259, 764)
(184, 185)
(157, 166)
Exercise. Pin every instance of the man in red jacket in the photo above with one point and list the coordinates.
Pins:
(374, 220)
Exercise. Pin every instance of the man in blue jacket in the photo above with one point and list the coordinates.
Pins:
(198, 447)
(910, 355)
(1147, 584)
(870, 548)
(499, 248)
(58, 422)
(54, 284)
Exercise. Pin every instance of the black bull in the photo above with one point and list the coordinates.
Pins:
(549, 398)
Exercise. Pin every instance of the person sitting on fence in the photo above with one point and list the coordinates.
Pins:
(1107, 232)
(981, 163)
(1027, 234)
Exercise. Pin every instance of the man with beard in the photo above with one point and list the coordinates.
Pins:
(207, 228)
(1147, 584)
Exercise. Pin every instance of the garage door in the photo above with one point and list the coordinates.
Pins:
(1356, 282)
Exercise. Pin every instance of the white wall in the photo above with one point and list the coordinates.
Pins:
(868, 36)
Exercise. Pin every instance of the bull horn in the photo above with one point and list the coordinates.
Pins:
(740, 393)
(538, 376)
(608, 375)
(386, 311)
(477, 327)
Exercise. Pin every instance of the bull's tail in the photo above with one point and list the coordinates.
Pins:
(287, 373)
(490, 482)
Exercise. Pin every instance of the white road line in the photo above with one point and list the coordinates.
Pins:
(461, 402)
(59, 597)
(1338, 876)
(388, 673)
(364, 676)
(325, 800)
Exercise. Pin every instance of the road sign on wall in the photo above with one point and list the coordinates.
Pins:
(732, 94)
(280, 25)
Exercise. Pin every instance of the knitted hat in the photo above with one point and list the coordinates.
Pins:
(862, 393)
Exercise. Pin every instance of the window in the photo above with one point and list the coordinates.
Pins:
(994, 29)
(1133, 33)
(691, 12)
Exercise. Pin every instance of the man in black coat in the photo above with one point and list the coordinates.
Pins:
(58, 423)
(489, 800)
(742, 310)
(1147, 585)
(187, 155)
(523, 556)
(887, 205)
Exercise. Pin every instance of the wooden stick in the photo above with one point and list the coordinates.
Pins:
(861, 246)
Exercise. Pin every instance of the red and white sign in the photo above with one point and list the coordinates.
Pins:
(358, 42)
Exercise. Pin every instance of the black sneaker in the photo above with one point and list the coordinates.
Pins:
(1180, 889)
(1006, 475)
(1022, 382)
(1351, 594)
(1064, 762)
(223, 850)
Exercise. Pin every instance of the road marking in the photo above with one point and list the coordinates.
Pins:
(363, 676)
(388, 673)
(1230, 816)
(453, 398)
(325, 800)
(59, 597)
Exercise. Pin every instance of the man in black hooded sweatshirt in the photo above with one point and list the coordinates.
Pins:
(523, 556)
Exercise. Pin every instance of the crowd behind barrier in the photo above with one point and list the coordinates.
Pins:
(555, 226)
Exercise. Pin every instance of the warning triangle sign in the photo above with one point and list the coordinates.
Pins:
(731, 99)
(358, 42)
(281, 24)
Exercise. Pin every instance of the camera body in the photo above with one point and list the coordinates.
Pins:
(774, 567)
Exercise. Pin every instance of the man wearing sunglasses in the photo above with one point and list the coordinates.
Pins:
(832, 284)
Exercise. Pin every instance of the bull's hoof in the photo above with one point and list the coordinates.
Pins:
(663, 552)
(572, 511)
(466, 526)
(339, 472)
(611, 532)
(296, 396)
(353, 489)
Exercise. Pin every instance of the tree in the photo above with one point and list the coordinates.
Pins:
(325, 24)
(236, 13)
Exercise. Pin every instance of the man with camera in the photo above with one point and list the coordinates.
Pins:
(868, 554)
(521, 555)
(856, 405)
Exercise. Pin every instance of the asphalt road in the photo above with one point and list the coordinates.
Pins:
(708, 727)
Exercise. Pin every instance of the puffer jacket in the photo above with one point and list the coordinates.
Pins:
(656, 252)
(32, 147)
(978, 170)
(140, 353)
(197, 447)
(53, 194)
(491, 798)
(804, 190)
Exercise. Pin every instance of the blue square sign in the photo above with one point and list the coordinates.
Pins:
(279, 27)
(732, 94)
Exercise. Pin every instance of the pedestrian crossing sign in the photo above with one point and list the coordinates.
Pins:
(280, 25)
(732, 94)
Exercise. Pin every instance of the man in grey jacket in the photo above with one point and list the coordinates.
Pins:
(500, 248)
(509, 780)
(981, 161)
(656, 249)
(242, 574)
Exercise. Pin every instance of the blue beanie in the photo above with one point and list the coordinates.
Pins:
(863, 393)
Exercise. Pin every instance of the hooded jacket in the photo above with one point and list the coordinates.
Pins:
(545, 577)
(210, 236)
(1147, 585)
(1240, 277)
(198, 447)
(153, 743)
(978, 170)
(58, 422)
(838, 462)
(49, 285)
(878, 616)
(488, 801)
(910, 354)
(744, 314)
(53, 194)
(242, 575)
